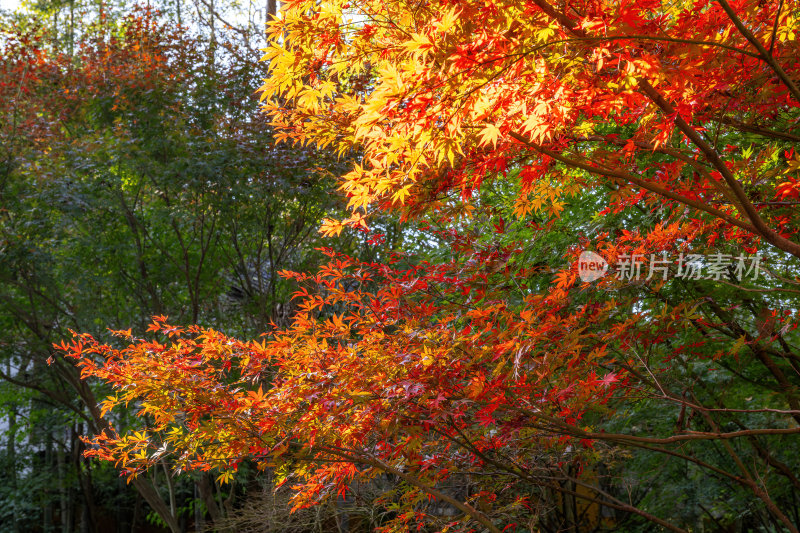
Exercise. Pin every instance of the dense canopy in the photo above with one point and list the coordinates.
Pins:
(461, 368)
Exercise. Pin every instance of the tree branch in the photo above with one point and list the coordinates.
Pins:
(767, 57)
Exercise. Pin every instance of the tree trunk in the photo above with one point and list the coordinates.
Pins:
(71, 27)
(12, 458)
(63, 501)
(199, 523)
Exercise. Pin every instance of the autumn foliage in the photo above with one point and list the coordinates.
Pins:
(522, 133)
(621, 92)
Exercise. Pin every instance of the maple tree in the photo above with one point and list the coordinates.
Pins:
(136, 176)
(535, 86)
(524, 133)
